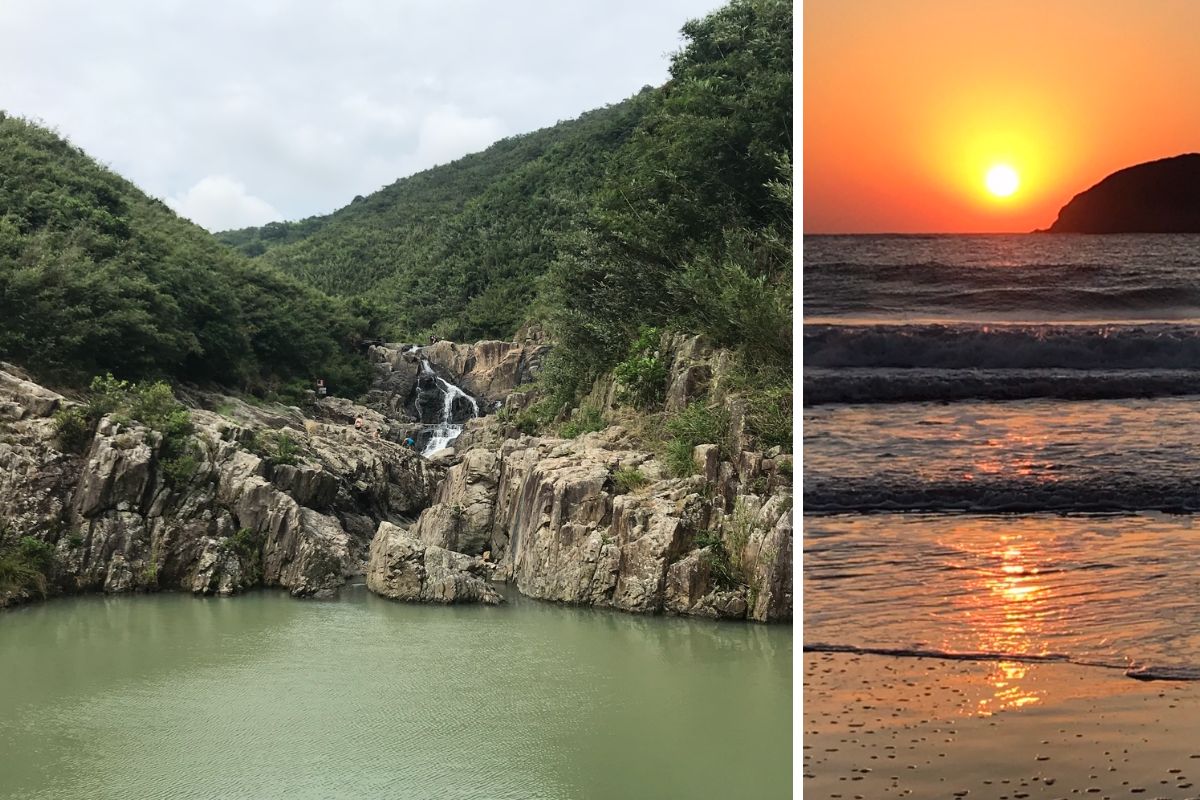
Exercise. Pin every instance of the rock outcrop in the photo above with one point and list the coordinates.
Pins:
(551, 512)
(300, 499)
(119, 520)
(1156, 197)
(404, 568)
(489, 370)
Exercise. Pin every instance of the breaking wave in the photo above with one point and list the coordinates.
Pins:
(897, 385)
(1119, 493)
(974, 346)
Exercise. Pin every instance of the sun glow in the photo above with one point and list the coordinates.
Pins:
(1002, 180)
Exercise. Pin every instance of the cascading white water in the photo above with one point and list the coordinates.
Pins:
(447, 430)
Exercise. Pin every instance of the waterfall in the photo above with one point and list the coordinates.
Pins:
(446, 430)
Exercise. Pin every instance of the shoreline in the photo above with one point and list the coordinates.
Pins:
(507, 590)
(881, 725)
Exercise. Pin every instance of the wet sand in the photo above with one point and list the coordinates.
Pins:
(880, 726)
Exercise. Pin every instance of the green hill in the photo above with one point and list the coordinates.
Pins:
(670, 209)
(95, 276)
(456, 249)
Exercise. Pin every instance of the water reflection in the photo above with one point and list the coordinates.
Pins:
(1007, 599)
(1104, 589)
(1011, 690)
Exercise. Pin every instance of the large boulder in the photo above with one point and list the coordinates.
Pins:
(401, 567)
(20, 396)
(461, 516)
(564, 528)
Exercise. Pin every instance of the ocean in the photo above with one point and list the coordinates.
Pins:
(1002, 449)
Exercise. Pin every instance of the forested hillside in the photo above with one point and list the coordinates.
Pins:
(455, 250)
(691, 228)
(670, 210)
(95, 276)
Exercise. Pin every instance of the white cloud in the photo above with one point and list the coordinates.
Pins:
(446, 134)
(309, 102)
(219, 203)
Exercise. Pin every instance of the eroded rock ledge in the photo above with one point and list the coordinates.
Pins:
(118, 522)
(551, 513)
(591, 521)
(403, 568)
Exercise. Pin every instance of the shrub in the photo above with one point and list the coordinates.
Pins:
(642, 376)
(531, 420)
(26, 565)
(728, 299)
(155, 406)
(725, 560)
(678, 457)
(16, 575)
(72, 429)
(105, 395)
(737, 529)
(180, 469)
(248, 544)
(629, 479)
(717, 558)
(276, 447)
(585, 420)
(769, 417)
(286, 450)
(36, 553)
(697, 424)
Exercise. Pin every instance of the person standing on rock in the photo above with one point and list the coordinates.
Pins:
(358, 423)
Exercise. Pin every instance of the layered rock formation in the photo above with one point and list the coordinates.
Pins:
(1156, 197)
(119, 521)
(489, 370)
(593, 521)
(403, 568)
(551, 513)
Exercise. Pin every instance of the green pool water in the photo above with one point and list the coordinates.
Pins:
(265, 696)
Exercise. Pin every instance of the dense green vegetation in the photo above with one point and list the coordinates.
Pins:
(692, 227)
(671, 211)
(97, 277)
(25, 565)
(455, 250)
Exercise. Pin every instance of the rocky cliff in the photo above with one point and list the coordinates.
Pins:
(596, 521)
(117, 519)
(1156, 197)
(302, 499)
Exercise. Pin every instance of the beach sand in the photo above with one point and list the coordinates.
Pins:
(881, 726)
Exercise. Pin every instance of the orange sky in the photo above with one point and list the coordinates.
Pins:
(907, 103)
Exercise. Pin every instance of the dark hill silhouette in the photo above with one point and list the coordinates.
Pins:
(1156, 197)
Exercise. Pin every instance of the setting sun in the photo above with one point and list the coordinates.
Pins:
(1002, 180)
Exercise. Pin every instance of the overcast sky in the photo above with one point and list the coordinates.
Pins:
(239, 113)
